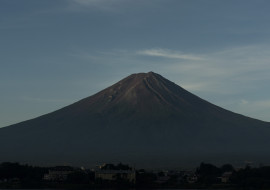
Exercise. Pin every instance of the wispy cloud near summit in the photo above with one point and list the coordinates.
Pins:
(169, 54)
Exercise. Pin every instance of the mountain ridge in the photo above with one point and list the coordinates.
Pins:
(140, 118)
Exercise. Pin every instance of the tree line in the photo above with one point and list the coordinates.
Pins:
(15, 175)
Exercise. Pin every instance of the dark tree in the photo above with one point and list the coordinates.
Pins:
(208, 174)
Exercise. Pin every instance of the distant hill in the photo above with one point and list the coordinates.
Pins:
(143, 119)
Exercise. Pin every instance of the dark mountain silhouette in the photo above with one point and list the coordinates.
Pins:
(143, 119)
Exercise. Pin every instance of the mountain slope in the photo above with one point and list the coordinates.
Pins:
(143, 119)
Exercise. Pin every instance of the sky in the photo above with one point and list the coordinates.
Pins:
(56, 52)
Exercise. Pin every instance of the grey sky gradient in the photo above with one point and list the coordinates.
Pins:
(56, 52)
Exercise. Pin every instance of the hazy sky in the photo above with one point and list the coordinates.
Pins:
(56, 52)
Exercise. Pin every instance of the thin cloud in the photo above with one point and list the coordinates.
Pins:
(105, 5)
(169, 54)
(257, 104)
(90, 2)
(260, 108)
(32, 99)
(87, 2)
(196, 86)
(248, 63)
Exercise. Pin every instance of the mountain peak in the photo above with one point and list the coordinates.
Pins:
(151, 74)
(145, 94)
(140, 76)
(143, 117)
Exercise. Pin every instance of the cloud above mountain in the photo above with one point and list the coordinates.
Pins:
(166, 53)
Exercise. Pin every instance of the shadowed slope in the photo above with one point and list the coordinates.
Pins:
(142, 118)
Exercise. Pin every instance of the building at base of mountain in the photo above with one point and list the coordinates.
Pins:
(110, 172)
(58, 173)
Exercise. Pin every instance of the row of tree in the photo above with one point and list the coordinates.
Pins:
(208, 175)
(244, 178)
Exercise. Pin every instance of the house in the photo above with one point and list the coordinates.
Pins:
(226, 177)
(110, 172)
(162, 179)
(193, 178)
(58, 173)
